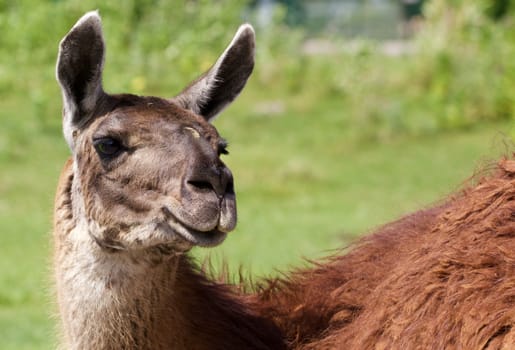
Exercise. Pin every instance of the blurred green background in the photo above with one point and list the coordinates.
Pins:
(357, 112)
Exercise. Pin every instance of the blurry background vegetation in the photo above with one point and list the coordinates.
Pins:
(357, 112)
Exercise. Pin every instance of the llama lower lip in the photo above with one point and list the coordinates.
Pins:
(201, 238)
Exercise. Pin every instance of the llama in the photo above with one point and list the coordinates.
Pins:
(145, 184)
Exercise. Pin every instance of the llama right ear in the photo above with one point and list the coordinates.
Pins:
(79, 72)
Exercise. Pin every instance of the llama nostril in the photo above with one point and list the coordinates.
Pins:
(202, 185)
(214, 180)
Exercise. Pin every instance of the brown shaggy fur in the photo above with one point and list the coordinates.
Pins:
(441, 278)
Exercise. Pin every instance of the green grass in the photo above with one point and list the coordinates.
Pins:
(26, 185)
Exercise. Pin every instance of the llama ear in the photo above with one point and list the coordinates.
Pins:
(79, 72)
(218, 87)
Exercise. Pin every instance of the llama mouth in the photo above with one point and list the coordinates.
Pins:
(200, 238)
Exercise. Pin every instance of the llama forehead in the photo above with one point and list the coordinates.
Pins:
(150, 117)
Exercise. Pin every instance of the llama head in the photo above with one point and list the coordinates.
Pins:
(146, 170)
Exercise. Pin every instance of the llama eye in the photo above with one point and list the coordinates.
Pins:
(107, 147)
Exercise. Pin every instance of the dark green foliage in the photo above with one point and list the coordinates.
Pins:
(457, 71)
(497, 9)
(412, 9)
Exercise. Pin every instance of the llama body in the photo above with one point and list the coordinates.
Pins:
(441, 278)
(145, 184)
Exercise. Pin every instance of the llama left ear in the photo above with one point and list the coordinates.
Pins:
(219, 86)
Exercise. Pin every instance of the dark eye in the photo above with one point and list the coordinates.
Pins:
(107, 147)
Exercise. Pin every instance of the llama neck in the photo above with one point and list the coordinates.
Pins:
(110, 301)
(113, 302)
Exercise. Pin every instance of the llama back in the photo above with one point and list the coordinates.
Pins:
(443, 277)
